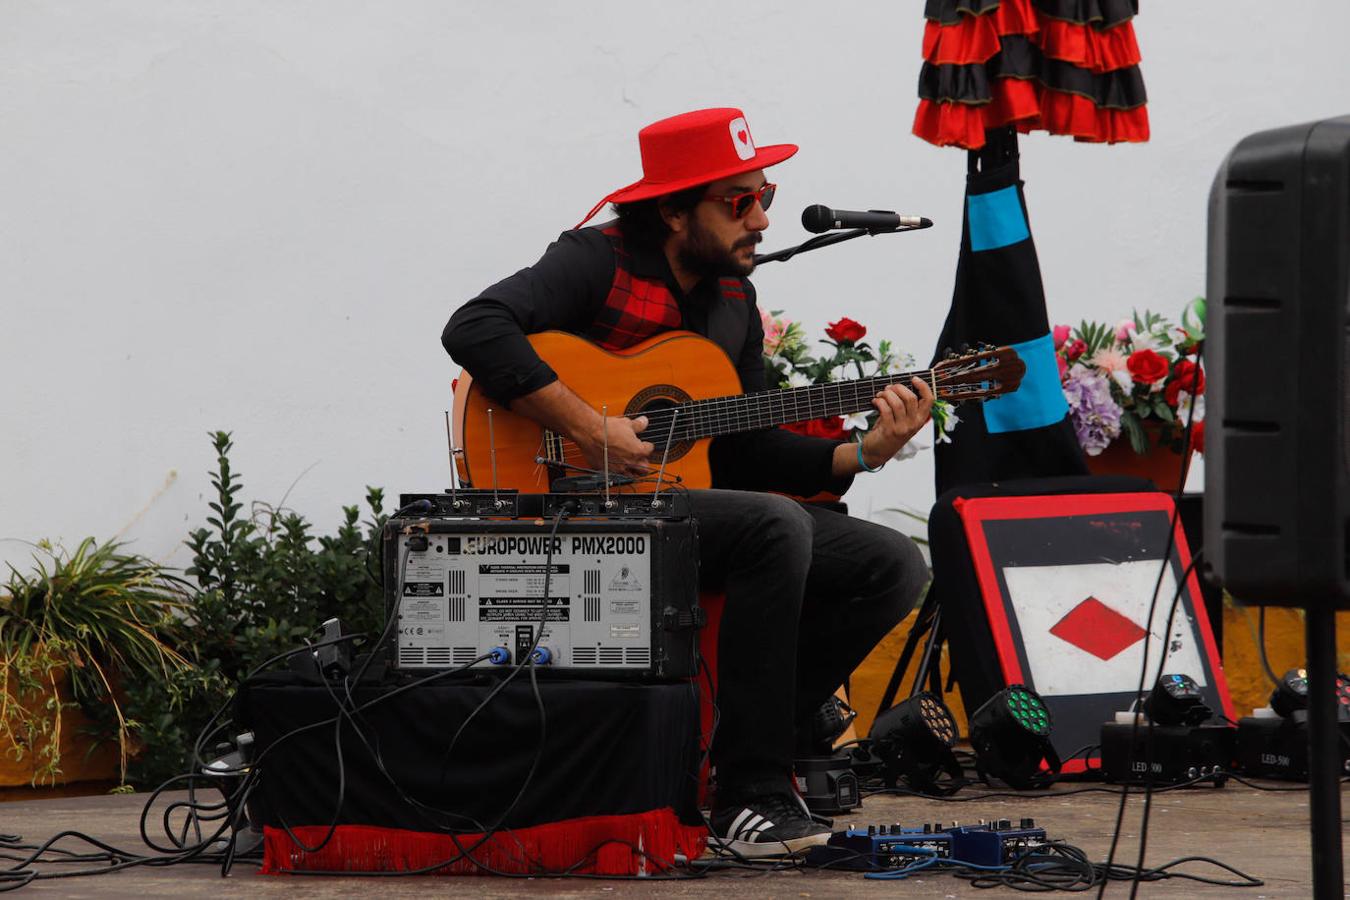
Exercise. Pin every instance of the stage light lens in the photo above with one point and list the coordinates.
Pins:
(1010, 733)
(914, 740)
(1176, 700)
(1291, 694)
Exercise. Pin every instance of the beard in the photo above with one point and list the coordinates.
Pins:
(704, 256)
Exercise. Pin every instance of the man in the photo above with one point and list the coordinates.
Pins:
(809, 591)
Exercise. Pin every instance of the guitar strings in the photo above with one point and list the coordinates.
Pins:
(718, 412)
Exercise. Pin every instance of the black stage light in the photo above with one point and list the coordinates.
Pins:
(1176, 700)
(1011, 736)
(1342, 698)
(1291, 694)
(914, 741)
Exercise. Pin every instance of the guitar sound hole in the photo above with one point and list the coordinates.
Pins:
(659, 403)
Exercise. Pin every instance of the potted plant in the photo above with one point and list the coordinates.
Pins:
(73, 630)
(1133, 390)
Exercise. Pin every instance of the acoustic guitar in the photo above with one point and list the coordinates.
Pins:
(689, 391)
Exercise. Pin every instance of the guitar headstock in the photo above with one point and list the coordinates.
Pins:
(979, 374)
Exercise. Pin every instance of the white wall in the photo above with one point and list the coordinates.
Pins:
(256, 216)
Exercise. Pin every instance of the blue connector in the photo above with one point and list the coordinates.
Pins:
(499, 656)
(541, 656)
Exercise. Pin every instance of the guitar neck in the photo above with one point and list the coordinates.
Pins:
(717, 416)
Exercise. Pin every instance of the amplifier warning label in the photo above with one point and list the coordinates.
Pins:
(423, 609)
(423, 589)
(524, 580)
(517, 609)
(625, 607)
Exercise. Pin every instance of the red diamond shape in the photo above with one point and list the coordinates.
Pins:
(1097, 628)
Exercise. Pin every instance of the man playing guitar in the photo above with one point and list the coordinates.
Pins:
(809, 591)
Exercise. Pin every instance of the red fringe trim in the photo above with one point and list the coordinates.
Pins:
(975, 39)
(1031, 107)
(1088, 47)
(596, 845)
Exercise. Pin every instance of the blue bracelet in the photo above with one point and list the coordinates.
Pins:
(863, 463)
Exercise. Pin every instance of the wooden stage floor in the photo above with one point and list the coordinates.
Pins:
(1262, 833)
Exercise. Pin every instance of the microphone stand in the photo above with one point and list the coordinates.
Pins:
(825, 240)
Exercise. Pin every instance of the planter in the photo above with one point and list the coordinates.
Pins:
(1161, 465)
(82, 758)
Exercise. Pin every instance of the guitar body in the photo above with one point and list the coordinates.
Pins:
(665, 370)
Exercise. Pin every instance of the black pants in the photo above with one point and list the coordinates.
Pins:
(809, 593)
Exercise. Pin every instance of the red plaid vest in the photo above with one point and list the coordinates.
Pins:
(639, 307)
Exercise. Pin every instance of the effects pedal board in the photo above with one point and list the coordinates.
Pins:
(878, 847)
(622, 590)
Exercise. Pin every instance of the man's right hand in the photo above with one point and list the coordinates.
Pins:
(629, 454)
(556, 407)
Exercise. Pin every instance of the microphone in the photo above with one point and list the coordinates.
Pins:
(821, 218)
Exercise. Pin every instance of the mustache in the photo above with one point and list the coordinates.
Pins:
(748, 241)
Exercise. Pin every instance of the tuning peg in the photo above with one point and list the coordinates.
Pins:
(963, 348)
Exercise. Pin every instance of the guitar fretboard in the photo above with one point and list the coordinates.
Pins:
(717, 416)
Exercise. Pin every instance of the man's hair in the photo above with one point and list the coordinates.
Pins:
(641, 220)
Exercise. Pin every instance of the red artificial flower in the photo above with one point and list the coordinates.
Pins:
(1198, 436)
(845, 330)
(1188, 377)
(1146, 367)
(1075, 350)
(831, 427)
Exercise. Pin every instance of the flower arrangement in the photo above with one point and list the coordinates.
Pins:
(789, 363)
(1118, 379)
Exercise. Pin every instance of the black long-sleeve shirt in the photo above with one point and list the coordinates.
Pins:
(565, 291)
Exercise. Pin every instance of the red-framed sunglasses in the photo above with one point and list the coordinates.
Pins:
(741, 204)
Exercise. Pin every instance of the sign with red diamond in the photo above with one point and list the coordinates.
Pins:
(1097, 628)
(1095, 645)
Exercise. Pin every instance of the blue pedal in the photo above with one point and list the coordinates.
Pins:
(880, 847)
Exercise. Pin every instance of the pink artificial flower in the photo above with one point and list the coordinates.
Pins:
(1061, 335)
(1063, 366)
(1124, 328)
(1108, 359)
(774, 329)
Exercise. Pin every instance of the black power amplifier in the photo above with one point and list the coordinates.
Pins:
(616, 598)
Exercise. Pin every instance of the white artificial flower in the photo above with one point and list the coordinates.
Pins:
(797, 379)
(855, 421)
(838, 374)
(911, 448)
(1184, 408)
(944, 435)
(1124, 379)
(1143, 341)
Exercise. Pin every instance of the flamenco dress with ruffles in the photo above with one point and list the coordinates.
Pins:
(1063, 66)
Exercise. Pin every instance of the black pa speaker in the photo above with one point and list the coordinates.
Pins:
(1277, 427)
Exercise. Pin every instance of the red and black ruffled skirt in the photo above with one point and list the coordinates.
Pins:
(1062, 66)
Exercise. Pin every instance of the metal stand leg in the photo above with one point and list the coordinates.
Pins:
(1324, 753)
(925, 622)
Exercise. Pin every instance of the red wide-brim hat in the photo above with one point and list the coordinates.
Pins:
(691, 149)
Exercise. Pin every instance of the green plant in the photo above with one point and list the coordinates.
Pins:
(76, 630)
(264, 581)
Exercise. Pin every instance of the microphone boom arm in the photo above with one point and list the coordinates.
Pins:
(825, 240)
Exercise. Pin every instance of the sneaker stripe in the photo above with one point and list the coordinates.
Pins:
(755, 835)
(740, 820)
(748, 829)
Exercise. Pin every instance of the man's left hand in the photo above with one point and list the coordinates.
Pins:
(902, 412)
